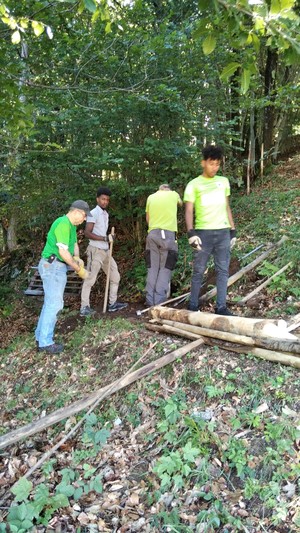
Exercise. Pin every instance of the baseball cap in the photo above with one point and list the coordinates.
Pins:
(83, 206)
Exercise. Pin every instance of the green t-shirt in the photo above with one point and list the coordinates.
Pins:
(210, 204)
(61, 231)
(162, 210)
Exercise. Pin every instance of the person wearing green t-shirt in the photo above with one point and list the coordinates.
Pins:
(161, 243)
(210, 226)
(60, 251)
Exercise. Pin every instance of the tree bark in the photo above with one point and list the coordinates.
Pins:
(250, 327)
(283, 345)
(276, 357)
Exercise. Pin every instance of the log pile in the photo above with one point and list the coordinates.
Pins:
(267, 339)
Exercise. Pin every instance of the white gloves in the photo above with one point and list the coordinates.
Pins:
(232, 238)
(194, 239)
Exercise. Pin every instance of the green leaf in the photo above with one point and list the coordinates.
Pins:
(245, 80)
(90, 5)
(209, 44)
(229, 70)
(97, 484)
(16, 37)
(38, 27)
(22, 489)
(101, 436)
(190, 453)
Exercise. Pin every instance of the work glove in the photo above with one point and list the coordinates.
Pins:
(194, 239)
(83, 273)
(79, 261)
(232, 238)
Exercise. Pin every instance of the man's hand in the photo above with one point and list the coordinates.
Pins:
(111, 238)
(82, 273)
(79, 261)
(194, 239)
(232, 238)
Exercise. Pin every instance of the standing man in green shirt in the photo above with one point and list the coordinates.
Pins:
(61, 250)
(161, 243)
(210, 226)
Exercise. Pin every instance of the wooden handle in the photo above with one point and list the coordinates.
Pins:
(108, 272)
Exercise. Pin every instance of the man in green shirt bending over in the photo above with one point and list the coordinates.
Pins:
(61, 250)
(161, 243)
(210, 226)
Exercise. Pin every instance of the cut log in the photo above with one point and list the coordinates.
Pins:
(65, 412)
(268, 355)
(263, 285)
(250, 327)
(235, 277)
(281, 345)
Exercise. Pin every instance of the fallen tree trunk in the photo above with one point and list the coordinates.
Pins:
(65, 412)
(268, 355)
(235, 277)
(280, 345)
(250, 327)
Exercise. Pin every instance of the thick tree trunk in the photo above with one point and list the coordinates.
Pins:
(251, 327)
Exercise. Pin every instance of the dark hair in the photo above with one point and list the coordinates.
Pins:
(103, 190)
(212, 152)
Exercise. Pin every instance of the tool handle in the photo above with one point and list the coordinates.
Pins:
(108, 272)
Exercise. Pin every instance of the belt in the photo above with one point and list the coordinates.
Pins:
(52, 258)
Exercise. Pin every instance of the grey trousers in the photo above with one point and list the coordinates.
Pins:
(161, 256)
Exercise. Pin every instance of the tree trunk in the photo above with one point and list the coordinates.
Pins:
(270, 112)
(251, 327)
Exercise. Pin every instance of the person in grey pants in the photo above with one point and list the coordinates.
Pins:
(161, 243)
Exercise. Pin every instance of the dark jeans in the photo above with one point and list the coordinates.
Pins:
(215, 243)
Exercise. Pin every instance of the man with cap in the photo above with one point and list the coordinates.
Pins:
(61, 250)
(161, 243)
(98, 255)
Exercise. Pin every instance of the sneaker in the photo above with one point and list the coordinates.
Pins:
(52, 348)
(87, 311)
(117, 306)
(223, 311)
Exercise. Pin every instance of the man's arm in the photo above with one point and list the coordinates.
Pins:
(88, 232)
(229, 213)
(67, 257)
(147, 218)
(189, 215)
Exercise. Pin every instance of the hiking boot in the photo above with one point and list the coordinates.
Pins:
(223, 311)
(52, 348)
(87, 311)
(117, 306)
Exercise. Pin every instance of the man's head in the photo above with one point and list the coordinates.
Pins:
(78, 212)
(164, 187)
(103, 195)
(212, 157)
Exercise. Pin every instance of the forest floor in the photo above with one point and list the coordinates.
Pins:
(209, 443)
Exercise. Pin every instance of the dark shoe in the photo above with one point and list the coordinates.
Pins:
(117, 306)
(87, 311)
(52, 348)
(223, 311)
(193, 308)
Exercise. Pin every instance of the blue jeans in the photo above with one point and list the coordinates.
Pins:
(215, 243)
(54, 277)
